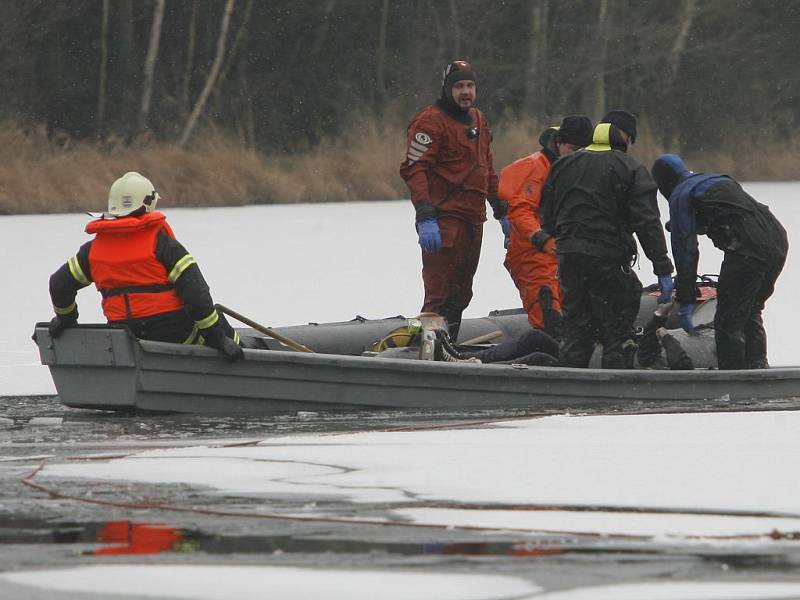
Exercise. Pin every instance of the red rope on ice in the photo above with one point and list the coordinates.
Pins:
(774, 535)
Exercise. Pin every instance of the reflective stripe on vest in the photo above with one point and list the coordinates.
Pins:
(123, 262)
(76, 271)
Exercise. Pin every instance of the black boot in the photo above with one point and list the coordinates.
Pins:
(553, 320)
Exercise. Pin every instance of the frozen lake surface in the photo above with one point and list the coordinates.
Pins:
(378, 505)
(288, 265)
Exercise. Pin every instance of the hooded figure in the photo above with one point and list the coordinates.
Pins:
(454, 72)
(449, 173)
(754, 245)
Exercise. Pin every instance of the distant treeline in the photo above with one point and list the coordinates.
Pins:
(287, 100)
(283, 74)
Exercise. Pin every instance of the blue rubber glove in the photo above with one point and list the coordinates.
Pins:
(666, 285)
(430, 238)
(685, 311)
(506, 227)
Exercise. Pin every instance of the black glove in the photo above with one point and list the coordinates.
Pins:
(216, 338)
(231, 350)
(499, 208)
(543, 241)
(60, 322)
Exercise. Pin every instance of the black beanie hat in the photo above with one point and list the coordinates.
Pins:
(623, 120)
(458, 70)
(547, 140)
(547, 135)
(576, 130)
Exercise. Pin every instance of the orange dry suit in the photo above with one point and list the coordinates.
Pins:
(534, 272)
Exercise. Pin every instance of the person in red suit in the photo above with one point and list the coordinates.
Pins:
(449, 173)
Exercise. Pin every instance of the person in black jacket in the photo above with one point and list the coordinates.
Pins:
(592, 202)
(148, 280)
(755, 246)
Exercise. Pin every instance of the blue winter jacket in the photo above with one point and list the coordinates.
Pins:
(717, 206)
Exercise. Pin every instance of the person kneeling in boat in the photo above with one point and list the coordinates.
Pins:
(148, 280)
(755, 246)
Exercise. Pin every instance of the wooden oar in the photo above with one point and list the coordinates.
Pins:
(265, 330)
(486, 337)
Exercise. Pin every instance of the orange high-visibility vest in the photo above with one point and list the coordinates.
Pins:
(122, 259)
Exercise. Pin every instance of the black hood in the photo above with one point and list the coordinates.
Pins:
(458, 70)
(454, 110)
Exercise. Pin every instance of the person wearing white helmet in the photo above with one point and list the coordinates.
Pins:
(147, 279)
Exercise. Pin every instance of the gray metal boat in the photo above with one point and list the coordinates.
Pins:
(103, 367)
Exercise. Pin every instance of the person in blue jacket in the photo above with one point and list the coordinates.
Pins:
(755, 246)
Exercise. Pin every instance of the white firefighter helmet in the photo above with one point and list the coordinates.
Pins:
(129, 193)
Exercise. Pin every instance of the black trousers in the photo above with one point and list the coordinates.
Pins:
(600, 302)
(176, 327)
(743, 288)
(533, 342)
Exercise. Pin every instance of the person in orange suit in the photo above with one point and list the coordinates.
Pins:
(535, 271)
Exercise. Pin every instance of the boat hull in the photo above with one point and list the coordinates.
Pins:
(102, 367)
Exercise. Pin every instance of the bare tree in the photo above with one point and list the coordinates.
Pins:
(191, 42)
(212, 75)
(126, 74)
(456, 29)
(150, 65)
(101, 86)
(241, 36)
(686, 18)
(246, 115)
(535, 80)
(442, 52)
(380, 54)
(600, 53)
(689, 9)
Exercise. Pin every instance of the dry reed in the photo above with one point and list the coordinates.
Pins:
(38, 175)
